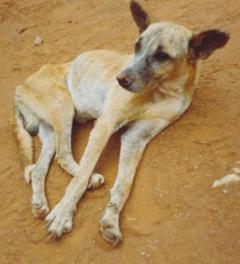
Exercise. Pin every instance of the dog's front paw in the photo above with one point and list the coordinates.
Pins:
(39, 205)
(27, 172)
(59, 221)
(109, 227)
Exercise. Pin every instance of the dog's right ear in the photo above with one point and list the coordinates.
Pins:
(140, 17)
(203, 44)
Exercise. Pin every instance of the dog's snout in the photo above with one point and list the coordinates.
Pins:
(125, 80)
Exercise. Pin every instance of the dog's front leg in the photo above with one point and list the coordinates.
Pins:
(133, 143)
(60, 218)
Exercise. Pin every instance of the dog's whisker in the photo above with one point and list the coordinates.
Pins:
(47, 224)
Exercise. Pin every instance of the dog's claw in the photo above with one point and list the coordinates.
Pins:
(47, 224)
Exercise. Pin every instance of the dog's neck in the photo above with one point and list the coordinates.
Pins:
(181, 84)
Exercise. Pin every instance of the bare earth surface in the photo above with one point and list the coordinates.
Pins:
(173, 214)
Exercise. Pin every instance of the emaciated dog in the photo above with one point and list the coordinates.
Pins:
(145, 91)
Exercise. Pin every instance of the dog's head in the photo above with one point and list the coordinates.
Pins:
(164, 48)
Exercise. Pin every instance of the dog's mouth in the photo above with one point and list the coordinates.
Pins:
(130, 89)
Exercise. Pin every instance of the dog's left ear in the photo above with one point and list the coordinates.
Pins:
(203, 44)
(141, 18)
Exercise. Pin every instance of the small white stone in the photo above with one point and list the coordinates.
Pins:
(132, 219)
(38, 41)
(231, 178)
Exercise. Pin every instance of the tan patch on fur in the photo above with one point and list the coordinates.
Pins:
(192, 76)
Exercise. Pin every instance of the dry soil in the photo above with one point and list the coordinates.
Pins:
(173, 214)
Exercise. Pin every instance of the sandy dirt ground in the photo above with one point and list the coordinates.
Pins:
(173, 214)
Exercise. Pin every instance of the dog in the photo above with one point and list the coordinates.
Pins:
(146, 92)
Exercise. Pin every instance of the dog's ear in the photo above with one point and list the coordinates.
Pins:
(140, 17)
(203, 44)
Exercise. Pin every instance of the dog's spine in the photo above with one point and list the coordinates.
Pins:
(25, 140)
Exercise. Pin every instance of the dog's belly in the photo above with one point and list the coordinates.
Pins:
(88, 102)
(90, 78)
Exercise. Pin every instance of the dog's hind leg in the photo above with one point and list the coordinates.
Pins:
(64, 149)
(66, 159)
(27, 126)
(39, 170)
(25, 140)
(133, 143)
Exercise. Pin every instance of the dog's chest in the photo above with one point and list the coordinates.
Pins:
(88, 103)
(88, 97)
(166, 108)
(90, 78)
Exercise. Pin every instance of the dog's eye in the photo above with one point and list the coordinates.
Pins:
(161, 56)
(138, 46)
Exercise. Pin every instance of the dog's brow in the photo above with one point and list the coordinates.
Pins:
(152, 41)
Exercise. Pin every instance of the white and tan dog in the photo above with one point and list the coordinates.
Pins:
(146, 92)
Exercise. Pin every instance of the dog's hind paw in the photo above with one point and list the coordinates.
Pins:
(27, 173)
(59, 221)
(96, 181)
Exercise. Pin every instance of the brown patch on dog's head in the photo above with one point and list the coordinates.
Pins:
(203, 44)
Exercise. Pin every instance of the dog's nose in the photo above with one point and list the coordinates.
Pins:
(125, 81)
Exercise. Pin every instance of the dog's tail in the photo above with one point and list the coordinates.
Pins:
(25, 140)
